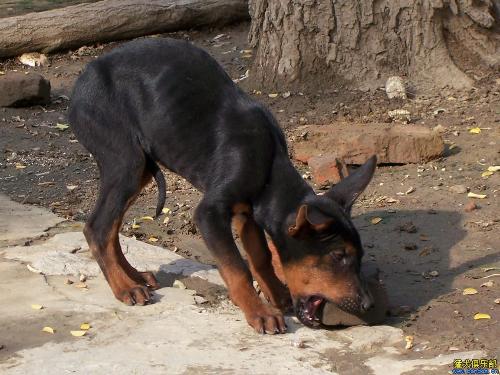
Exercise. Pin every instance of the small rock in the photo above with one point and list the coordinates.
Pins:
(470, 206)
(327, 169)
(199, 300)
(400, 114)
(298, 343)
(408, 227)
(83, 278)
(33, 59)
(458, 189)
(411, 246)
(18, 89)
(68, 281)
(179, 284)
(395, 88)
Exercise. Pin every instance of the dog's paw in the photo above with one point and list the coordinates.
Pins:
(266, 319)
(135, 295)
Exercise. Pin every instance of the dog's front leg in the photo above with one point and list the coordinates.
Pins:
(214, 221)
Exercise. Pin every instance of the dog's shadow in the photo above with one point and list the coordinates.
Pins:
(415, 250)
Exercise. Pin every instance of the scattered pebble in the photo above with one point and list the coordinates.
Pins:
(470, 206)
(458, 189)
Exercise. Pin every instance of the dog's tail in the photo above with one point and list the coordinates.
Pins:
(155, 170)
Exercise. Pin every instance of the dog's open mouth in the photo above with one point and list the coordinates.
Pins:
(309, 310)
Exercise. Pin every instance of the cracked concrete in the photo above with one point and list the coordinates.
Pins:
(175, 335)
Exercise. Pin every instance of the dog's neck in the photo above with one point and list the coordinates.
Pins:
(282, 196)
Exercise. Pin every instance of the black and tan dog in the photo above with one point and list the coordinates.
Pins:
(167, 102)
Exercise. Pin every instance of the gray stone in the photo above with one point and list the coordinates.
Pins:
(19, 222)
(68, 254)
(19, 89)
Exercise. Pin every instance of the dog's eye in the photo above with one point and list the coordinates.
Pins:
(337, 255)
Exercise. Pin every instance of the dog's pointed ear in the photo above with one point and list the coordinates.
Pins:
(309, 219)
(349, 189)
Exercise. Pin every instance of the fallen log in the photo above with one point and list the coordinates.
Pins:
(108, 20)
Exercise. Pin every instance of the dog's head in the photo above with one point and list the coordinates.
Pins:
(323, 253)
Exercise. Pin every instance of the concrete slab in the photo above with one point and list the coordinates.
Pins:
(18, 221)
(68, 254)
(175, 335)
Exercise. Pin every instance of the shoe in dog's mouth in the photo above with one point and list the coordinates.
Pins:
(309, 310)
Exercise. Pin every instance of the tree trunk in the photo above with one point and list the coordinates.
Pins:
(318, 43)
(109, 20)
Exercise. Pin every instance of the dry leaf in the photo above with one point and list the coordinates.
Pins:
(20, 166)
(375, 220)
(478, 196)
(148, 218)
(273, 95)
(409, 342)
(85, 326)
(36, 307)
(135, 225)
(487, 174)
(152, 239)
(475, 130)
(71, 187)
(62, 127)
(488, 269)
(410, 190)
(48, 330)
(494, 168)
(488, 284)
(166, 210)
(469, 291)
(166, 220)
(480, 316)
(32, 269)
(78, 333)
(81, 285)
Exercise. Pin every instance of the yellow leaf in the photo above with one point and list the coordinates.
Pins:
(477, 196)
(475, 130)
(36, 307)
(148, 218)
(480, 316)
(487, 174)
(33, 269)
(409, 342)
(20, 166)
(273, 95)
(376, 220)
(48, 330)
(152, 239)
(166, 210)
(469, 291)
(78, 333)
(494, 168)
(85, 326)
(62, 127)
(135, 225)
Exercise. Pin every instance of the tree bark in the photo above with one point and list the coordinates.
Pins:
(109, 20)
(317, 43)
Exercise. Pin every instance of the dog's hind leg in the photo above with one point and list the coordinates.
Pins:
(122, 179)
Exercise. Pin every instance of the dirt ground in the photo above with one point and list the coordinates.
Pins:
(428, 247)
